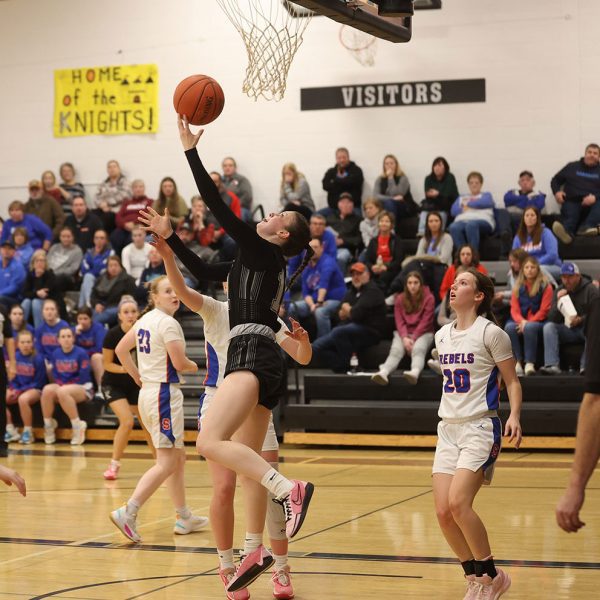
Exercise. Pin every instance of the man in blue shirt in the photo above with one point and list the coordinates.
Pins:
(517, 200)
(38, 233)
(12, 276)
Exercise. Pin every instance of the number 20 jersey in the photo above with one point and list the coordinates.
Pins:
(152, 334)
(468, 359)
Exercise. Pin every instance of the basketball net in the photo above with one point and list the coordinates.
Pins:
(272, 32)
(361, 45)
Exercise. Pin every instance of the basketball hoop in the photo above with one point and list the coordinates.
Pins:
(361, 45)
(272, 32)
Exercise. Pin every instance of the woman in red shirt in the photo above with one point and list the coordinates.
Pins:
(384, 253)
(466, 256)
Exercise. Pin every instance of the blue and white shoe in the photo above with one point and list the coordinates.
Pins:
(27, 437)
(11, 436)
(191, 525)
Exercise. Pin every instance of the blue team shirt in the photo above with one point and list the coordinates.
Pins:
(46, 338)
(31, 372)
(92, 339)
(73, 367)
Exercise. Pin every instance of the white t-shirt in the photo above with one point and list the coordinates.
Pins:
(135, 260)
(153, 332)
(468, 359)
(215, 315)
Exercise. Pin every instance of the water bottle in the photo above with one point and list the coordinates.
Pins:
(353, 364)
(379, 262)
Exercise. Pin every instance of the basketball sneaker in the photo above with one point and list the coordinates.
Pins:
(50, 432)
(226, 576)
(492, 589)
(111, 473)
(194, 523)
(250, 568)
(125, 523)
(27, 437)
(11, 435)
(411, 376)
(78, 435)
(380, 378)
(282, 584)
(472, 588)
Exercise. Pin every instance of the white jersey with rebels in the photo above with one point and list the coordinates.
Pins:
(153, 332)
(215, 315)
(468, 358)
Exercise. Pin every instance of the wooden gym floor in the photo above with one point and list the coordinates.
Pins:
(371, 532)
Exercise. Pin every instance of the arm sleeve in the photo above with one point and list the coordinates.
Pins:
(486, 201)
(559, 179)
(195, 265)
(511, 199)
(445, 248)
(42, 230)
(550, 248)
(367, 301)
(539, 200)
(456, 208)
(170, 331)
(208, 308)
(426, 322)
(59, 218)
(422, 247)
(515, 308)
(399, 317)
(496, 340)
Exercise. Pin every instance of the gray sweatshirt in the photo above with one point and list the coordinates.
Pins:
(64, 261)
(443, 250)
(240, 186)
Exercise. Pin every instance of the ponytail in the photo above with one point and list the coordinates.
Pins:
(309, 254)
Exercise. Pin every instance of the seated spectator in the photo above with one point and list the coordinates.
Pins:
(108, 289)
(384, 254)
(168, 197)
(223, 242)
(93, 265)
(537, 240)
(237, 184)
(413, 313)
(45, 208)
(155, 268)
(126, 218)
(135, 255)
(576, 188)
(12, 276)
(46, 335)
(561, 329)
(72, 385)
(369, 226)
(23, 249)
(473, 214)
(446, 313)
(90, 337)
(189, 238)
(346, 176)
(49, 186)
(111, 194)
(323, 289)
(69, 187)
(393, 189)
(65, 259)
(295, 191)
(40, 284)
(346, 223)
(203, 224)
(362, 322)
(38, 233)
(17, 321)
(529, 308)
(517, 200)
(466, 256)
(440, 193)
(25, 389)
(503, 298)
(83, 223)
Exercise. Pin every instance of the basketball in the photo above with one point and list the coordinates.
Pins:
(200, 98)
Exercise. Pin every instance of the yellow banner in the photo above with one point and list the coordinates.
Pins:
(106, 100)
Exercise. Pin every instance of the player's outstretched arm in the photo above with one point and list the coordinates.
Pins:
(9, 477)
(515, 397)
(123, 351)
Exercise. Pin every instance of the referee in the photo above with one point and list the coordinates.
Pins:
(587, 444)
(6, 340)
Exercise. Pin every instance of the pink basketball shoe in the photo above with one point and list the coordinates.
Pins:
(492, 589)
(250, 568)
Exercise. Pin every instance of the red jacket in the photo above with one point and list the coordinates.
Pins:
(414, 325)
(450, 276)
(128, 212)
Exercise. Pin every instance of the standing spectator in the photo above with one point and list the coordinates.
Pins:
(23, 249)
(7, 341)
(537, 240)
(126, 218)
(384, 254)
(473, 214)
(295, 191)
(93, 265)
(576, 188)
(440, 192)
(12, 276)
(369, 226)
(90, 337)
(45, 207)
(135, 255)
(39, 234)
(466, 256)
(39, 285)
(65, 259)
(49, 186)
(111, 194)
(168, 197)
(323, 288)
(362, 322)
(346, 223)
(238, 184)
(529, 308)
(413, 312)
(517, 200)
(46, 335)
(393, 189)
(346, 176)
(108, 289)
(69, 187)
(84, 223)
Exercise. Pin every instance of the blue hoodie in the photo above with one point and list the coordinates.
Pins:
(46, 338)
(91, 340)
(329, 248)
(73, 367)
(37, 231)
(31, 373)
(95, 263)
(12, 278)
(325, 274)
(546, 251)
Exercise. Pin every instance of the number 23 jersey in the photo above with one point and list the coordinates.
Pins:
(153, 332)
(468, 359)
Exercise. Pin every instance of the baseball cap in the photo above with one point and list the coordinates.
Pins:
(358, 267)
(35, 183)
(569, 268)
(346, 195)
(8, 243)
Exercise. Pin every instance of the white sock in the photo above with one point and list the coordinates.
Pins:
(277, 484)
(48, 422)
(252, 541)
(76, 423)
(114, 464)
(27, 428)
(10, 427)
(184, 513)
(226, 559)
(132, 508)
(280, 561)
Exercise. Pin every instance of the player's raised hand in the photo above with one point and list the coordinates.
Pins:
(155, 223)
(9, 477)
(188, 139)
(161, 246)
(513, 430)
